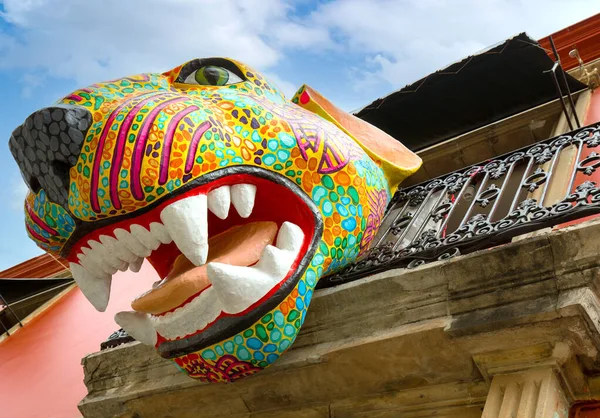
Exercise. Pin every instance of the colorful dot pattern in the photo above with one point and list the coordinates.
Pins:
(150, 136)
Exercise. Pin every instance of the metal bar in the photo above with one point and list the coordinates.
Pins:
(417, 213)
(5, 329)
(564, 78)
(502, 191)
(433, 208)
(523, 178)
(384, 235)
(10, 309)
(560, 95)
(455, 204)
(481, 187)
(574, 173)
(549, 175)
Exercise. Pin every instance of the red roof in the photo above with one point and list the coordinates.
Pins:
(40, 267)
(583, 36)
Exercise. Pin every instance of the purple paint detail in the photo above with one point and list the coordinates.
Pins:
(254, 124)
(74, 97)
(189, 163)
(148, 149)
(140, 145)
(99, 150)
(117, 160)
(257, 160)
(168, 142)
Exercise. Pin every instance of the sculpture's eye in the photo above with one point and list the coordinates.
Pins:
(211, 75)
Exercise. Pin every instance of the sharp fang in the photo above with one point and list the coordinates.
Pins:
(136, 265)
(159, 232)
(117, 249)
(242, 197)
(138, 325)
(290, 237)
(275, 262)
(101, 254)
(186, 222)
(132, 243)
(93, 261)
(95, 289)
(145, 237)
(219, 201)
(238, 287)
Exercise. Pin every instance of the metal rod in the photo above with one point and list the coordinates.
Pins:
(560, 95)
(387, 231)
(520, 186)
(5, 329)
(564, 79)
(501, 192)
(549, 175)
(11, 311)
(479, 190)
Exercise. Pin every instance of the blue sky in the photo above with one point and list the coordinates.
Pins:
(352, 51)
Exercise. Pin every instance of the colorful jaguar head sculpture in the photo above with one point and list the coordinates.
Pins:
(148, 167)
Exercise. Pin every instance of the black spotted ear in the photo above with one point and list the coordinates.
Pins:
(47, 145)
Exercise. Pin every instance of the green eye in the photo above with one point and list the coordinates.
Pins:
(211, 75)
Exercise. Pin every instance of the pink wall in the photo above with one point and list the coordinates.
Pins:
(40, 364)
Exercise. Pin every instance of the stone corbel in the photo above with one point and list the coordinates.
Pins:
(536, 381)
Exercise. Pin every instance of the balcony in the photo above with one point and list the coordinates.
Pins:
(485, 205)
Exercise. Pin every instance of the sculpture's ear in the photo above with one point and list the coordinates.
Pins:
(397, 161)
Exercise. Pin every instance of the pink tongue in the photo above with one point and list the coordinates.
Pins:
(241, 245)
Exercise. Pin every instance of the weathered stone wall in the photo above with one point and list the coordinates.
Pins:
(433, 341)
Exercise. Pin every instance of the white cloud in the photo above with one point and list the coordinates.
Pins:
(383, 44)
(408, 39)
(89, 41)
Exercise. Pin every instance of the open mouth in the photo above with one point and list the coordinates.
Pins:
(227, 249)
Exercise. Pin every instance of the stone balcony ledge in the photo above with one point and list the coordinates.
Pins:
(400, 343)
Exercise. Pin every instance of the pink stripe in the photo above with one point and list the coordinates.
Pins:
(100, 149)
(36, 235)
(189, 163)
(39, 222)
(120, 148)
(140, 147)
(166, 151)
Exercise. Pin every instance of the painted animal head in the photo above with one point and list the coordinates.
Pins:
(148, 167)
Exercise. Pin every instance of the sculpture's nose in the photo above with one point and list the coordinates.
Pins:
(47, 145)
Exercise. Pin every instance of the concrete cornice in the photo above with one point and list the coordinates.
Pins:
(440, 331)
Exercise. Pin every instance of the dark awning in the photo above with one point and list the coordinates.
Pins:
(17, 289)
(494, 84)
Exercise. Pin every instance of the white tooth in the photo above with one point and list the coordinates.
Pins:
(191, 317)
(239, 287)
(100, 254)
(145, 237)
(136, 265)
(95, 289)
(219, 201)
(88, 263)
(160, 232)
(117, 249)
(186, 222)
(290, 237)
(275, 262)
(242, 197)
(132, 243)
(138, 325)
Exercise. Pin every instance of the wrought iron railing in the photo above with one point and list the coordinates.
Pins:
(481, 206)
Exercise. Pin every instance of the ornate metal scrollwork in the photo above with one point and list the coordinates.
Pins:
(436, 241)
